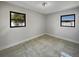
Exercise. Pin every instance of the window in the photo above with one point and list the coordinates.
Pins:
(17, 19)
(68, 20)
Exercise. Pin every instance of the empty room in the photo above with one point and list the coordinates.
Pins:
(39, 28)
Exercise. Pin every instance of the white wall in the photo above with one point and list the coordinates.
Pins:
(68, 33)
(9, 36)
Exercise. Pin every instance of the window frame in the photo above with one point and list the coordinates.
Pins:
(62, 21)
(17, 13)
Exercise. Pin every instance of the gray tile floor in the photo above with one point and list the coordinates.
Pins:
(44, 46)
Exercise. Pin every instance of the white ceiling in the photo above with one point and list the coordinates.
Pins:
(52, 6)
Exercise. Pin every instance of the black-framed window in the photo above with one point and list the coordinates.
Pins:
(67, 20)
(17, 19)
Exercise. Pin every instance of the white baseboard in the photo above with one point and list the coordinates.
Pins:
(36, 37)
(64, 38)
(21, 41)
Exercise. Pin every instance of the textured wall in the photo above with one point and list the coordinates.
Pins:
(53, 25)
(9, 36)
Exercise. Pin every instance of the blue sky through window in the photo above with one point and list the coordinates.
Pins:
(71, 17)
